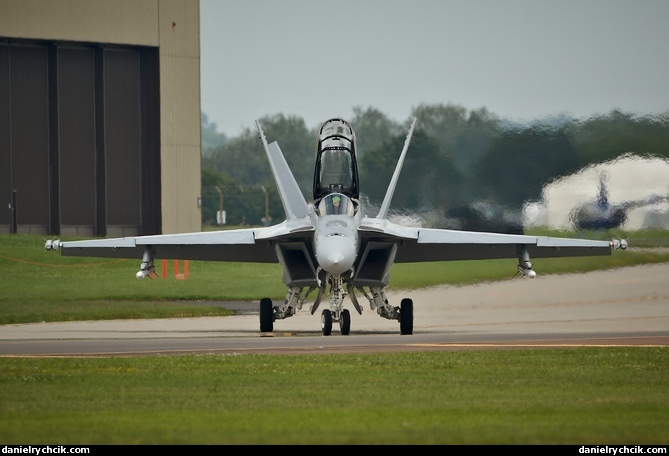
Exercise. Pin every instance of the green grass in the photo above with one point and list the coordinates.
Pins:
(541, 396)
(45, 286)
(585, 396)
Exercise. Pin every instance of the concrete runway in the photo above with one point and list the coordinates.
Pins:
(627, 306)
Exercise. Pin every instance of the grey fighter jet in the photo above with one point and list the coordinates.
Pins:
(601, 214)
(330, 246)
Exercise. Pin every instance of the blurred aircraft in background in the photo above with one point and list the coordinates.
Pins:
(601, 214)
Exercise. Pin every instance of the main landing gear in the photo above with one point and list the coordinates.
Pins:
(406, 317)
(266, 315)
(403, 313)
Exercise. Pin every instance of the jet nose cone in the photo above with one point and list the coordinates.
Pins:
(336, 254)
(334, 261)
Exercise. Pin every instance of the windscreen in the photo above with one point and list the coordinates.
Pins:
(336, 204)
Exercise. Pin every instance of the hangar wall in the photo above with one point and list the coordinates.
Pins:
(156, 41)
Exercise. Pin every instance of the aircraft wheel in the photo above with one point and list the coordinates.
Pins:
(406, 317)
(326, 322)
(345, 323)
(266, 315)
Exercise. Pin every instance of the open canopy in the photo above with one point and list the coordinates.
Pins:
(336, 166)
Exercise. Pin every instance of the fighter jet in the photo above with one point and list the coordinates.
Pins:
(330, 246)
(600, 214)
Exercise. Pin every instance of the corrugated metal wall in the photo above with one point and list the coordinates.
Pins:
(122, 138)
(5, 142)
(25, 142)
(100, 116)
(76, 122)
(82, 141)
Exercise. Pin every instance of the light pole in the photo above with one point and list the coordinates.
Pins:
(220, 217)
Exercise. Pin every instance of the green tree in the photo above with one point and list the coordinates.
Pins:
(463, 135)
(298, 145)
(211, 138)
(244, 168)
(604, 138)
(456, 157)
(372, 128)
(520, 162)
(426, 179)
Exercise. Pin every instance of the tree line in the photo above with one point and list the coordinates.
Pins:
(457, 156)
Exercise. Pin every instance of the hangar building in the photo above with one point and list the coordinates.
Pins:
(99, 117)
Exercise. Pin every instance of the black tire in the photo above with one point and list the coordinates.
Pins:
(266, 315)
(326, 322)
(345, 324)
(406, 317)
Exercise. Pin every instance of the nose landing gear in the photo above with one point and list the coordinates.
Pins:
(344, 320)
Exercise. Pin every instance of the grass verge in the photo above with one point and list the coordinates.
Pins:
(586, 396)
(541, 396)
(41, 286)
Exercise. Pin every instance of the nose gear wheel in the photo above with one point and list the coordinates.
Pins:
(328, 317)
(326, 322)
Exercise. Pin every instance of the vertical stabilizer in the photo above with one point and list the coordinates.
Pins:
(292, 198)
(383, 212)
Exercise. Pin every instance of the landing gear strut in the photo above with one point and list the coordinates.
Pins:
(336, 314)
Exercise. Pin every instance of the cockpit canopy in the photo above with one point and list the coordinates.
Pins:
(336, 165)
(336, 204)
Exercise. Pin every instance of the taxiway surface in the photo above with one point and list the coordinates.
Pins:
(627, 306)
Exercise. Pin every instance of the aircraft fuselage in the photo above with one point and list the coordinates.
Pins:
(336, 243)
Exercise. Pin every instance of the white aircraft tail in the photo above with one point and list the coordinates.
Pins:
(292, 198)
(383, 212)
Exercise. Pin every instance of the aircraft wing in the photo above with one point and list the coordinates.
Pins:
(425, 244)
(244, 245)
